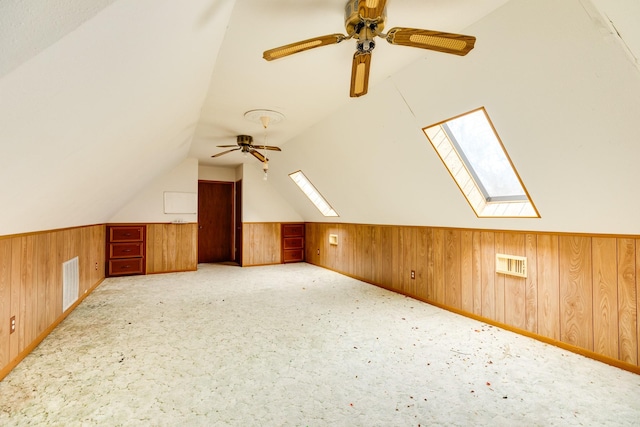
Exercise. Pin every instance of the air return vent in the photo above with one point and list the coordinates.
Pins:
(70, 283)
(511, 264)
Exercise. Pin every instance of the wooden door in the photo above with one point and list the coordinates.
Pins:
(238, 223)
(215, 221)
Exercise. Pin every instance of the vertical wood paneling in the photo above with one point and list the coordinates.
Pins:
(409, 253)
(580, 290)
(16, 288)
(476, 272)
(261, 243)
(576, 291)
(605, 296)
(376, 254)
(488, 261)
(31, 281)
(430, 268)
(348, 248)
(44, 266)
(364, 252)
(452, 269)
(5, 299)
(397, 260)
(548, 286)
(627, 301)
(422, 252)
(386, 261)
(62, 251)
(466, 270)
(638, 296)
(499, 280)
(438, 266)
(531, 284)
(514, 287)
(171, 247)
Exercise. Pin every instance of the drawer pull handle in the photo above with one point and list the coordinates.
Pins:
(126, 266)
(126, 250)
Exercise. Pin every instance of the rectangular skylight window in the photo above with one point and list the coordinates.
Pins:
(471, 150)
(312, 193)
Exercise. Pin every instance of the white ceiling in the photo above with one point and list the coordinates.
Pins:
(308, 86)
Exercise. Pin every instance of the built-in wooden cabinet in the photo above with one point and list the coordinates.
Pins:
(125, 250)
(292, 243)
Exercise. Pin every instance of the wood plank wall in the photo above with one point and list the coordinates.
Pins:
(582, 291)
(261, 243)
(31, 283)
(172, 247)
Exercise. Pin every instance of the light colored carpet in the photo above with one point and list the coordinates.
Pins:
(297, 345)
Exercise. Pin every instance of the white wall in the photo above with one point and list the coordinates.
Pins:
(213, 173)
(261, 201)
(149, 206)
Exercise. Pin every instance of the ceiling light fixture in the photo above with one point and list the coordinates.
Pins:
(265, 118)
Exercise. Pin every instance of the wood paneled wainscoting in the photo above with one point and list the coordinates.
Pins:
(261, 243)
(31, 284)
(582, 292)
(172, 247)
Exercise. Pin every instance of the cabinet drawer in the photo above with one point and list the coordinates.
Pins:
(126, 233)
(293, 255)
(289, 230)
(125, 250)
(126, 266)
(293, 243)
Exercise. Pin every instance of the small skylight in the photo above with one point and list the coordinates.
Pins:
(470, 148)
(312, 193)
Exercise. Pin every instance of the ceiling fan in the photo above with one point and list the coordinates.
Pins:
(364, 20)
(245, 145)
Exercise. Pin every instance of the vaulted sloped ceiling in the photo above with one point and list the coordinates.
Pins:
(564, 97)
(97, 98)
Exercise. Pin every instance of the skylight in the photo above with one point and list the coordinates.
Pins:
(471, 150)
(312, 193)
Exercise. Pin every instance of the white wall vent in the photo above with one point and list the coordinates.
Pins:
(70, 283)
(511, 264)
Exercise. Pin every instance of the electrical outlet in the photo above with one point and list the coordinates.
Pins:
(413, 274)
(12, 324)
(96, 266)
(318, 252)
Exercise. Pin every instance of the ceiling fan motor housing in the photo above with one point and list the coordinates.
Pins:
(354, 24)
(244, 140)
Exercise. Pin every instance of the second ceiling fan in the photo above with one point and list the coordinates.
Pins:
(365, 20)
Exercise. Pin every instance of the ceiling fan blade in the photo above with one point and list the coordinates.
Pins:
(266, 147)
(225, 152)
(456, 44)
(371, 9)
(300, 46)
(258, 156)
(360, 74)
(227, 146)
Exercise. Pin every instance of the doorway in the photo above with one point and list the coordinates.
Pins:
(215, 221)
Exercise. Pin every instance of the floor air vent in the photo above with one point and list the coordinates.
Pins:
(70, 283)
(511, 264)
